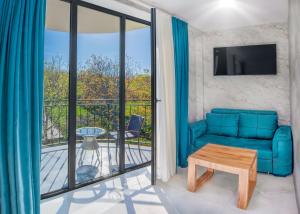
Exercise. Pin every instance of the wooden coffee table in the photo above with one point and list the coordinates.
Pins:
(242, 162)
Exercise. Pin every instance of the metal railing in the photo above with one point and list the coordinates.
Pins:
(103, 113)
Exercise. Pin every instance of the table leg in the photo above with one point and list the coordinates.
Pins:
(246, 187)
(80, 158)
(252, 179)
(98, 156)
(253, 173)
(193, 182)
(247, 182)
(192, 173)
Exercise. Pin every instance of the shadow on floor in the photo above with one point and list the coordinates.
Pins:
(129, 193)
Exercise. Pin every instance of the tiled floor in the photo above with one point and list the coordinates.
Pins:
(132, 193)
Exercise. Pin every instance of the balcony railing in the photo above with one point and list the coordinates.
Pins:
(102, 113)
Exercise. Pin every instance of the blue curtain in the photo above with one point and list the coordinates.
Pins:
(21, 100)
(181, 57)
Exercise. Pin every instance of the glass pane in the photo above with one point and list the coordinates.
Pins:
(138, 94)
(54, 158)
(97, 95)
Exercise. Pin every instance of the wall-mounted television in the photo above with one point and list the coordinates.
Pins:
(245, 60)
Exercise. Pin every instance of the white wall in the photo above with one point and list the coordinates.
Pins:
(270, 92)
(123, 8)
(294, 26)
(195, 75)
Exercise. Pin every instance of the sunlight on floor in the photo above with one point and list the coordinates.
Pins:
(132, 193)
(129, 193)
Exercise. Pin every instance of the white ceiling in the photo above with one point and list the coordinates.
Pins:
(207, 15)
(89, 21)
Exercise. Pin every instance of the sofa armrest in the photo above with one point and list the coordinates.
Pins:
(282, 148)
(197, 129)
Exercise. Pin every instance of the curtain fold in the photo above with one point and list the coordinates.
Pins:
(181, 58)
(166, 133)
(21, 100)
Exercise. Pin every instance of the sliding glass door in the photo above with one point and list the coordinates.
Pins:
(98, 100)
(137, 94)
(97, 108)
(54, 156)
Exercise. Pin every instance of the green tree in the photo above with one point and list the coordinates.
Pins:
(97, 89)
(56, 92)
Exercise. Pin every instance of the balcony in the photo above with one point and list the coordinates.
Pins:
(103, 160)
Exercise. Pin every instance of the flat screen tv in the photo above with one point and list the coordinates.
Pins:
(245, 60)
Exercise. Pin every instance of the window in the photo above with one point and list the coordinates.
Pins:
(98, 109)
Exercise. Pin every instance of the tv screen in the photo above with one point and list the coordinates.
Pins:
(245, 60)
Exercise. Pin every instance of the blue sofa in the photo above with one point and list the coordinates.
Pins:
(253, 129)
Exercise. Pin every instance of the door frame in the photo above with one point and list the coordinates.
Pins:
(73, 96)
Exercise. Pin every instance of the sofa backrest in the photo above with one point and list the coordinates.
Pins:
(222, 124)
(238, 111)
(259, 124)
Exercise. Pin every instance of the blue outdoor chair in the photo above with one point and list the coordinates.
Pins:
(133, 131)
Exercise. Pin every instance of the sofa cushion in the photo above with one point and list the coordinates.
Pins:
(263, 147)
(257, 126)
(222, 124)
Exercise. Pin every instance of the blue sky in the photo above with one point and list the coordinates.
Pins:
(106, 44)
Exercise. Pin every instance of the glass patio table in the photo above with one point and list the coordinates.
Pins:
(89, 135)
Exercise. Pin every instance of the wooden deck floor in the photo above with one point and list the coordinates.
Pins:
(54, 163)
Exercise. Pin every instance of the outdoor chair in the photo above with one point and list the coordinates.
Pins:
(133, 131)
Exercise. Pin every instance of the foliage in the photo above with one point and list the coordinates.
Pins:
(97, 95)
(56, 80)
(98, 79)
